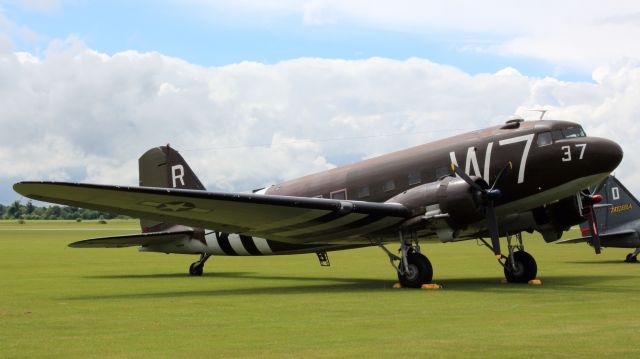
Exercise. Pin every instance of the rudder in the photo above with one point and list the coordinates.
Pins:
(164, 167)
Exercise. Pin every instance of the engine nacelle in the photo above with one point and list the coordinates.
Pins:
(451, 196)
(552, 220)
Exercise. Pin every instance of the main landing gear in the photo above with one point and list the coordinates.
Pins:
(633, 257)
(197, 267)
(414, 268)
(519, 266)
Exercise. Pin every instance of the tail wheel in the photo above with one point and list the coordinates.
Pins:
(420, 271)
(631, 258)
(523, 269)
(195, 269)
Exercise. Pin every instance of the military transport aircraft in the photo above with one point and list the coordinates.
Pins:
(518, 176)
(617, 219)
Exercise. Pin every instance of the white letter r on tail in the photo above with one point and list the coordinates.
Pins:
(177, 173)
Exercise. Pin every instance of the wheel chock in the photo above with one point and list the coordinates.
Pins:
(431, 286)
(531, 282)
(397, 286)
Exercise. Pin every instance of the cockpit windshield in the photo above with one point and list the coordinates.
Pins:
(547, 138)
(572, 132)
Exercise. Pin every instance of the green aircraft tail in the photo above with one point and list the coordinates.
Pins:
(164, 167)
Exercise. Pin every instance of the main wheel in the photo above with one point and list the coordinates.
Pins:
(631, 258)
(420, 271)
(195, 269)
(525, 270)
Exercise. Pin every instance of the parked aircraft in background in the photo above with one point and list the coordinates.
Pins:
(618, 219)
(499, 181)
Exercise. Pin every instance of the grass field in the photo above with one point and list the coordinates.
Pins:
(60, 302)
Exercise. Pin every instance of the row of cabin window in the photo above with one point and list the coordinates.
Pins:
(390, 185)
(414, 178)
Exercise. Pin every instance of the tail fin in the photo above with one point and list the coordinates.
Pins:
(164, 167)
(620, 207)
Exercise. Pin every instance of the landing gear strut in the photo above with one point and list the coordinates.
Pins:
(197, 268)
(519, 266)
(632, 257)
(414, 268)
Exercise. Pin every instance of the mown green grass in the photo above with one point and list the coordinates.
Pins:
(46, 224)
(60, 302)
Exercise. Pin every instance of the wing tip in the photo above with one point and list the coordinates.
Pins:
(19, 187)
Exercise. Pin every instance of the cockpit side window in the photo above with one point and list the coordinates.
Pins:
(573, 132)
(557, 135)
(544, 139)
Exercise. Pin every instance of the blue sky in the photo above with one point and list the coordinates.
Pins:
(215, 35)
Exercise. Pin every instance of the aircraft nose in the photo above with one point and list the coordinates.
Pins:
(608, 155)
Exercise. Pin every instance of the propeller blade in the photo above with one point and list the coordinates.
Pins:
(493, 229)
(503, 172)
(455, 169)
(593, 225)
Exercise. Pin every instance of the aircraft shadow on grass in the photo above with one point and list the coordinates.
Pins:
(620, 262)
(586, 283)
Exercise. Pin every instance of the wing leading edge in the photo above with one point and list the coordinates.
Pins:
(290, 219)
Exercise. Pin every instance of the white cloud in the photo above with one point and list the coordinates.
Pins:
(80, 115)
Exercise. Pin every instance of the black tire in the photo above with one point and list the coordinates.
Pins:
(195, 269)
(420, 271)
(526, 268)
(631, 258)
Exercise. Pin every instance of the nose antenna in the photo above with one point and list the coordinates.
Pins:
(542, 112)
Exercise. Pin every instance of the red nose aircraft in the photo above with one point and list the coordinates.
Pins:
(499, 181)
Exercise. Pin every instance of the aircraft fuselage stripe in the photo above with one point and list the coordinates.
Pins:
(249, 245)
(262, 245)
(353, 225)
(232, 244)
(237, 245)
(223, 241)
(213, 244)
(319, 220)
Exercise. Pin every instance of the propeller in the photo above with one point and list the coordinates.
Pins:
(488, 197)
(588, 200)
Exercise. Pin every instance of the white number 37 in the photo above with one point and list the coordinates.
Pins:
(566, 154)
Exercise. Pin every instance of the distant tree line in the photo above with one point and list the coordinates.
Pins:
(17, 210)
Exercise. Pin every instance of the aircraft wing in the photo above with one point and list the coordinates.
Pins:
(621, 239)
(285, 218)
(141, 239)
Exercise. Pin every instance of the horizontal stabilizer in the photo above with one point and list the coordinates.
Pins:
(622, 239)
(141, 239)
